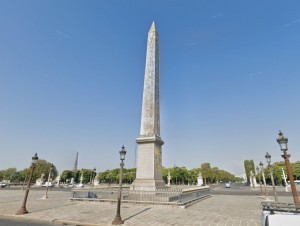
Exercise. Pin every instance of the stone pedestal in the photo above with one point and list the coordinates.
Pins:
(169, 179)
(148, 174)
(200, 180)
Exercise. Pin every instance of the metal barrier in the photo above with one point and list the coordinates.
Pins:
(165, 196)
(279, 207)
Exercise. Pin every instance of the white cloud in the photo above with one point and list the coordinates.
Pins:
(218, 15)
(63, 34)
(292, 22)
(255, 74)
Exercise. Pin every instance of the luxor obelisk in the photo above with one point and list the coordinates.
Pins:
(149, 158)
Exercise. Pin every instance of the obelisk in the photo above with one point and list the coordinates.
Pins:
(149, 158)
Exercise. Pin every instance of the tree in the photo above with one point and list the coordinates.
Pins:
(277, 172)
(43, 167)
(164, 173)
(205, 171)
(296, 170)
(249, 166)
(113, 176)
(193, 175)
(179, 175)
(66, 176)
(8, 174)
(128, 175)
(214, 174)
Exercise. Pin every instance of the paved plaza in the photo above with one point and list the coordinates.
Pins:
(229, 210)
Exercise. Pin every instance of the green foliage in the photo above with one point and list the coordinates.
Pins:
(113, 176)
(296, 170)
(193, 175)
(206, 172)
(8, 174)
(180, 175)
(87, 175)
(66, 176)
(42, 167)
(277, 172)
(249, 166)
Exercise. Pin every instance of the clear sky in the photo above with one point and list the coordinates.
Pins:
(71, 80)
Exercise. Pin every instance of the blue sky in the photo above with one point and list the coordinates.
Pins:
(71, 80)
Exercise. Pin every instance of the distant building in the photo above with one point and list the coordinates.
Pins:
(244, 177)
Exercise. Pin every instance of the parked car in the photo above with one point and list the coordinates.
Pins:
(48, 183)
(278, 214)
(227, 185)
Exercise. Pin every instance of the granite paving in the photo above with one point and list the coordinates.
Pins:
(218, 210)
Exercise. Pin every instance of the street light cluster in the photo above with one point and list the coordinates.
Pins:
(282, 141)
(117, 220)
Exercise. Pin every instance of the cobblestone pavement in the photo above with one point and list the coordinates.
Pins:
(219, 210)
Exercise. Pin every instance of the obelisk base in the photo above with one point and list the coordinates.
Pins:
(148, 173)
(147, 185)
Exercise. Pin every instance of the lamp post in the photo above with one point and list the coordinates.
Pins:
(23, 209)
(257, 170)
(282, 141)
(264, 179)
(118, 219)
(47, 187)
(268, 159)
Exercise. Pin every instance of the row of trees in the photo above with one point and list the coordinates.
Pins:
(87, 176)
(179, 175)
(214, 174)
(42, 167)
(277, 172)
(276, 169)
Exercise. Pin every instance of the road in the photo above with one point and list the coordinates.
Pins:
(235, 206)
(37, 188)
(241, 189)
(21, 222)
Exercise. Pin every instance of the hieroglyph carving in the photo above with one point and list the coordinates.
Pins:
(150, 112)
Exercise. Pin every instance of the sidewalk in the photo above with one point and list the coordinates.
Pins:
(219, 210)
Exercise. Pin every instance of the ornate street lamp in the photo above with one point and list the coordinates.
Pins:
(23, 209)
(47, 187)
(264, 179)
(118, 219)
(268, 159)
(282, 141)
(258, 172)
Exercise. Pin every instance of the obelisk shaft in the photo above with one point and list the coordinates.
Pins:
(149, 158)
(150, 124)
